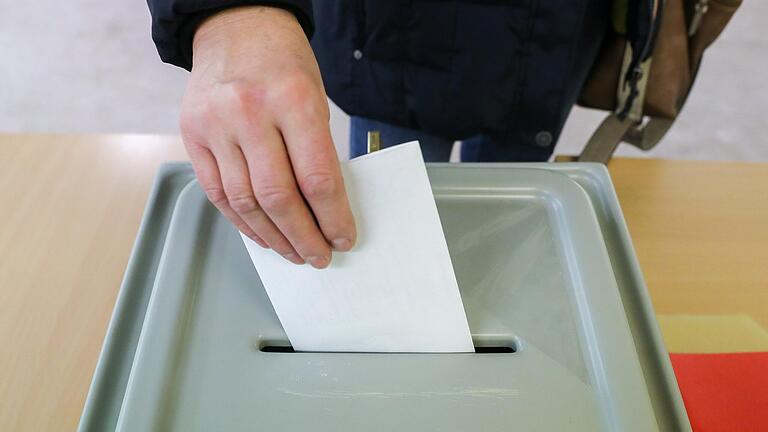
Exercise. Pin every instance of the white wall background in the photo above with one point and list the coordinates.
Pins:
(90, 66)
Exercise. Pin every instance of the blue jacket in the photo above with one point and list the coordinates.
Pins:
(511, 69)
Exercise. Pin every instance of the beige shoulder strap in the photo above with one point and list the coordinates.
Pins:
(625, 126)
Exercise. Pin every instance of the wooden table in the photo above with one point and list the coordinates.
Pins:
(70, 207)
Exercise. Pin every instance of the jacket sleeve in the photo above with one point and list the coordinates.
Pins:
(174, 22)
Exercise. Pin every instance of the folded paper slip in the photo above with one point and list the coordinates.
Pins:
(396, 290)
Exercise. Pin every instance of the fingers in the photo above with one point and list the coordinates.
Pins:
(276, 192)
(208, 176)
(242, 199)
(264, 153)
(318, 174)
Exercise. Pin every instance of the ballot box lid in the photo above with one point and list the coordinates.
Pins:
(555, 301)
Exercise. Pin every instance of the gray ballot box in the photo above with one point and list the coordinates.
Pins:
(565, 334)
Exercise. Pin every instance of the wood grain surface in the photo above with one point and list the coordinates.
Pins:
(70, 206)
(700, 230)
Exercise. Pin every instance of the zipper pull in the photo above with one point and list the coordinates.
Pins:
(374, 141)
(701, 7)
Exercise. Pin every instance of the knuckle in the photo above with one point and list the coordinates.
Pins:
(294, 88)
(298, 93)
(243, 228)
(216, 195)
(248, 98)
(189, 124)
(274, 199)
(186, 126)
(242, 202)
(282, 247)
(318, 186)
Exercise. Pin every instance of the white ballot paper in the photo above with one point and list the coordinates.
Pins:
(396, 290)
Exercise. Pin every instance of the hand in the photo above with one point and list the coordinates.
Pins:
(254, 121)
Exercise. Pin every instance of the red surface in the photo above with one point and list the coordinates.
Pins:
(724, 392)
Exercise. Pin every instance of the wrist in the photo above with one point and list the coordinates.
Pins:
(237, 20)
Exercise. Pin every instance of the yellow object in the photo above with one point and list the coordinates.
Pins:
(374, 141)
(705, 334)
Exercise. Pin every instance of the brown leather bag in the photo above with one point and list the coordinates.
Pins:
(645, 105)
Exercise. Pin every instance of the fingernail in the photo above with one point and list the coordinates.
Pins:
(294, 258)
(342, 244)
(318, 262)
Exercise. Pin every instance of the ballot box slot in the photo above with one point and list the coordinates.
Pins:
(478, 350)
(483, 345)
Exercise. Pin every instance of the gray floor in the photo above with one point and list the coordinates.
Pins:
(90, 66)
